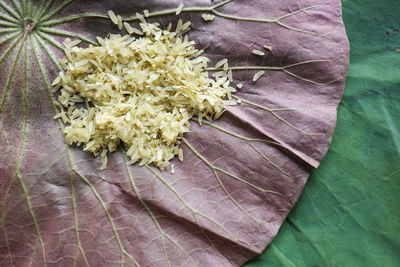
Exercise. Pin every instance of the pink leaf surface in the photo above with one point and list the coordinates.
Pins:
(241, 174)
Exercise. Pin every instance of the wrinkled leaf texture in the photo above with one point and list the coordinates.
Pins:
(241, 175)
(347, 215)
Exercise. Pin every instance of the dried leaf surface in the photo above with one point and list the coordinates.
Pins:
(241, 174)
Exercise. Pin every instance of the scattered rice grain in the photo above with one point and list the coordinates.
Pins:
(267, 47)
(112, 16)
(258, 53)
(136, 31)
(221, 62)
(229, 102)
(258, 75)
(207, 17)
(104, 159)
(119, 20)
(141, 18)
(56, 80)
(128, 27)
(180, 154)
(179, 9)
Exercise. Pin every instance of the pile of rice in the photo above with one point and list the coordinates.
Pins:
(138, 91)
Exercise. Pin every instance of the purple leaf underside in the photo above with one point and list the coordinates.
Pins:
(241, 174)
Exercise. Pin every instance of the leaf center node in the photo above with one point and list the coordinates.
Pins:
(29, 25)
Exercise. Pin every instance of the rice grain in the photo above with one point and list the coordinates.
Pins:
(258, 75)
(179, 9)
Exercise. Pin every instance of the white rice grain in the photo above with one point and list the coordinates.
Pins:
(180, 154)
(104, 160)
(128, 27)
(229, 102)
(141, 18)
(221, 62)
(267, 47)
(56, 81)
(258, 75)
(119, 20)
(207, 17)
(179, 9)
(137, 31)
(112, 16)
(102, 109)
(258, 53)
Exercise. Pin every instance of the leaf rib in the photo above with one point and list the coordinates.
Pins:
(68, 34)
(275, 115)
(107, 213)
(71, 18)
(215, 169)
(12, 72)
(8, 38)
(10, 11)
(83, 178)
(55, 11)
(153, 218)
(33, 216)
(250, 142)
(8, 24)
(51, 40)
(21, 148)
(284, 69)
(17, 8)
(45, 8)
(48, 52)
(9, 30)
(193, 211)
(76, 225)
(8, 18)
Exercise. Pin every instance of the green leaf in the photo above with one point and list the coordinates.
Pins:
(348, 214)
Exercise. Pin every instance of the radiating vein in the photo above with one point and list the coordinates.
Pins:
(108, 215)
(68, 34)
(33, 216)
(8, 30)
(153, 218)
(83, 178)
(8, 24)
(11, 75)
(33, 253)
(237, 135)
(250, 142)
(215, 169)
(51, 40)
(48, 52)
(46, 7)
(283, 68)
(8, 38)
(193, 211)
(10, 10)
(8, 18)
(274, 114)
(21, 148)
(76, 225)
(55, 11)
(186, 9)
(17, 8)
(71, 18)
(26, 7)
